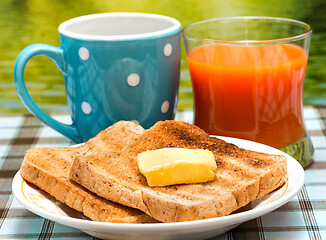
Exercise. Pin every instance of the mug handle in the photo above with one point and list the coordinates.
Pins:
(56, 54)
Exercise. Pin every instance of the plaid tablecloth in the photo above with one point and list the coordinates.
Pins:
(304, 217)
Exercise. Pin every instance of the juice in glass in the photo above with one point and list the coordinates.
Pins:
(252, 92)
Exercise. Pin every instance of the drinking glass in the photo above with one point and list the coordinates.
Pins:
(247, 76)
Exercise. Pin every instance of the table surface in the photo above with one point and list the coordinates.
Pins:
(304, 217)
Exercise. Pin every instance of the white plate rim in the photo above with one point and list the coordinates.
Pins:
(228, 220)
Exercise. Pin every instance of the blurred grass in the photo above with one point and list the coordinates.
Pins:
(23, 22)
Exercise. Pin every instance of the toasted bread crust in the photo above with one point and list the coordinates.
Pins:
(48, 168)
(241, 176)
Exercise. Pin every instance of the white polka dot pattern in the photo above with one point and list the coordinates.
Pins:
(165, 106)
(133, 79)
(135, 121)
(167, 50)
(86, 108)
(83, 53)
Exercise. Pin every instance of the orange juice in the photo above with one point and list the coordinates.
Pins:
(249, 92)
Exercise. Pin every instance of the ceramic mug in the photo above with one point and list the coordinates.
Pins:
(117, 66)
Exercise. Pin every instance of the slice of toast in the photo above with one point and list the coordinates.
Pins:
(48, 168)
(241, 176)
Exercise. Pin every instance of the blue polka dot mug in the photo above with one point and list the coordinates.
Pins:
(117, 66)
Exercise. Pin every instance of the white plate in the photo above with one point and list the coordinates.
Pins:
(44, 205)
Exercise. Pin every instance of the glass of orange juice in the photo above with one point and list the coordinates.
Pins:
(247, 76)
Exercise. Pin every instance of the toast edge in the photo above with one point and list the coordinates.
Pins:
(89, 205)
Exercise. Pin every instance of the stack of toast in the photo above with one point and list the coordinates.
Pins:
(101, 178)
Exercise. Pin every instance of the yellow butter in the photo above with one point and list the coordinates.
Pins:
(169, 166)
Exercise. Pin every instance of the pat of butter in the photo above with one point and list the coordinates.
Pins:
(169, 166)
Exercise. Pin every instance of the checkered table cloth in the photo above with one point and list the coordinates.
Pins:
(304, 217)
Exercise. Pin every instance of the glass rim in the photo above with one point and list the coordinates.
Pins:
(250, 42)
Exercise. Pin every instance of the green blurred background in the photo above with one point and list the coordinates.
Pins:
(23, 22)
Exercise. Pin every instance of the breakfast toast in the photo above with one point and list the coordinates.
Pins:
(48, 168)
(241, 175)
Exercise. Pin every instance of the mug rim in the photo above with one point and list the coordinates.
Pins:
(304, 35)
(176, 27)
